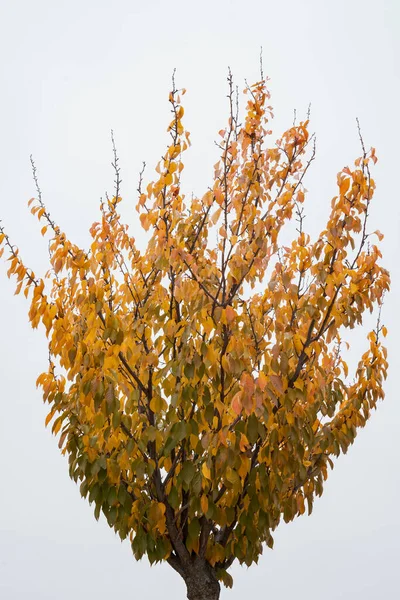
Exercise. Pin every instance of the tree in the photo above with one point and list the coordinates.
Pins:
(196, 411)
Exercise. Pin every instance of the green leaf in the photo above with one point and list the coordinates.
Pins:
(209, 413)
(94, 492)
(97, 511)
(252, 429)
(119, 337)
(188, 472)
(112, 496)
(206, 395)
(179, 431)
(102, 461)
(196, 483)
(125, 499)
(225, 577)
(86, 387)
(116, 420)
(99, 420)
(173, 497)
(112, 516)
(189, 371)
(211, 509)
(194, 528)
(151, 433)
(84, 488)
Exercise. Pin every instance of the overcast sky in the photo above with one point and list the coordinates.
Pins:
(71, 71)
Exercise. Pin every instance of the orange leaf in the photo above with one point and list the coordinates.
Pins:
(49, 418)
(262, 380)
(344, 186)
(230, 314)
(236, 403)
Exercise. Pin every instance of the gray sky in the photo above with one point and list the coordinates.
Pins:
(70, 72)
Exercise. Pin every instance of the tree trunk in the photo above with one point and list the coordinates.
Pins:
(201, 582)
(199, 576)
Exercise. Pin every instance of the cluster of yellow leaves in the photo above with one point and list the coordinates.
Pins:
(194, 416)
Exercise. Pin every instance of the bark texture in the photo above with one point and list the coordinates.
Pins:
(199, 576)
(201, 582)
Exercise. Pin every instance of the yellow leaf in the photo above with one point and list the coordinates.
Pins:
(297, 343)
(299, 384)
(216, 216)
(156, 404)
(144, 219)
(211, 354)
(57, 426)
(225, 363)
(208, 325)
(194, 440)
(353, 288)
(300, 503)
(206, 471)
(243, 443)
(204, 503)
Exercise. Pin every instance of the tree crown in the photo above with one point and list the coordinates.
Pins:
(195, 411)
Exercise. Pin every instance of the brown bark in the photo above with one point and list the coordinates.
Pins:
(201, 582)
(199, 576)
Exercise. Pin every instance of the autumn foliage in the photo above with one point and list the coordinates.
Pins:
(197, 412)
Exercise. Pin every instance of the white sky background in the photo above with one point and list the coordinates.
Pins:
(70, 72)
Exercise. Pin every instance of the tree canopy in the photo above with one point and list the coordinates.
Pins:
(199, 388)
